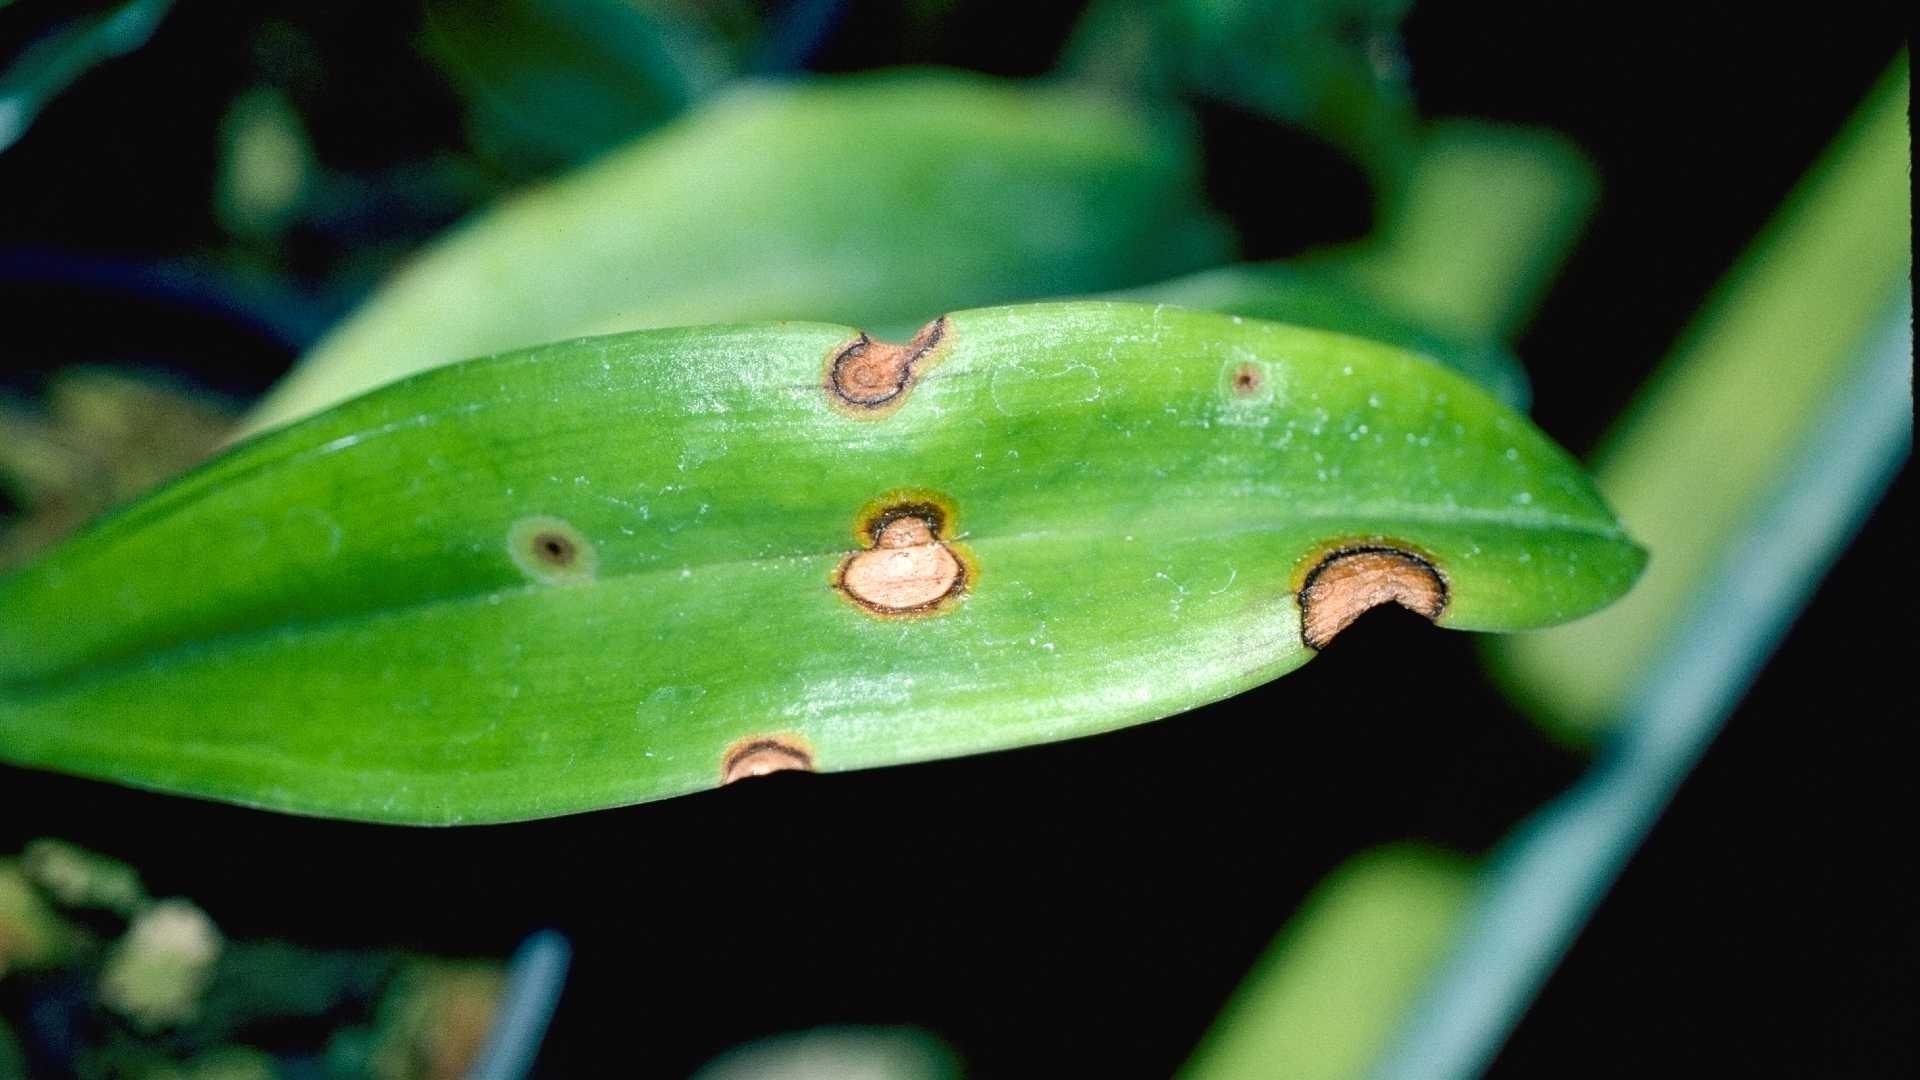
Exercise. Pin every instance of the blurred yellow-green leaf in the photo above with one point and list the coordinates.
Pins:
(1325, 998)
(1468, 245)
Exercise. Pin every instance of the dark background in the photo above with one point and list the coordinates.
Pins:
(1085, 907)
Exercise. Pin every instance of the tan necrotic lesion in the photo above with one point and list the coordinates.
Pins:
(870, 378)
(1350, 581)
(759, 755)
(551, 551)
(1246, 379)
(908, 566)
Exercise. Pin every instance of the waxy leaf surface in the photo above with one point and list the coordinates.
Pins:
(623, 568)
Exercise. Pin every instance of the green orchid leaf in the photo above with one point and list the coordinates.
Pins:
(624, 568)
(883, 198)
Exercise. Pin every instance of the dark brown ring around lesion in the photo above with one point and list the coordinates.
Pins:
(869, 375)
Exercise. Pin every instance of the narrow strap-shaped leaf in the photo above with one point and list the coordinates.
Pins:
(623, 568)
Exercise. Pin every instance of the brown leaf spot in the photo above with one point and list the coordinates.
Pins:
(556, 549)
(550, 550)
(1348, 582)
(907, 569)
(871, 378)
(758, 755)
(1246, 380)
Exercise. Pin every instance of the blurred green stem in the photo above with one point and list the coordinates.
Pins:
(1727, 414)
(1801, 377)
(1327, 997)
(1322, 1001)
(1545, 883)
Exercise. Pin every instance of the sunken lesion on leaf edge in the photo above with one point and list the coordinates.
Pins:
(760, 755)
(1342, 581)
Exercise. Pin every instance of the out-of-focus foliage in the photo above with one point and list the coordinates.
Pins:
(839, 1054)
(267, 171)
(159, 991)
(65, 53)
(550, 83)
(1708, 440)
(1333, 67)
(32, 937)
(101, 439)
(1468, 246)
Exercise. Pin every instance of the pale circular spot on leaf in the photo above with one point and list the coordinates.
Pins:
(552, 551)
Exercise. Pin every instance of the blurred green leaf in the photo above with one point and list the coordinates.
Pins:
(839, 1053)
(1470, 243)
(1721, 421)
(624, 568)
(1333, 67)
(51, 64)
(1324, 999)
(881, 199)
(33, 936)
(266, 165)
(554, 82)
